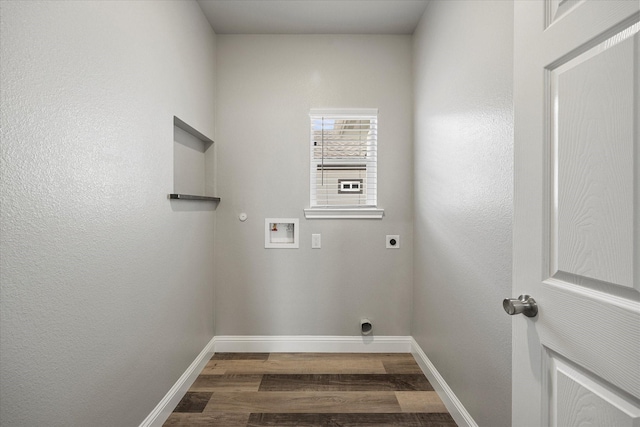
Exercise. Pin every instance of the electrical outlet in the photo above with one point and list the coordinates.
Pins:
(316, 241)
(393, 241)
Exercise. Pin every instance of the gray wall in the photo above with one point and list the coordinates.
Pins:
(107, 287)
(463, 200)
(266, 86)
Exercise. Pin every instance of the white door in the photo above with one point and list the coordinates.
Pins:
(577, 213)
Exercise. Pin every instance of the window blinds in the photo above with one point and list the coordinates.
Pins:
(344, 158)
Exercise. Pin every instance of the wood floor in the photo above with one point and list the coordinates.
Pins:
(311, 389)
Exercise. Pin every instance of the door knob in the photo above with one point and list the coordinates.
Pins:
(524, 304)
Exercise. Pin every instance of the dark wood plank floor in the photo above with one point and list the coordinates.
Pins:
(311, 389)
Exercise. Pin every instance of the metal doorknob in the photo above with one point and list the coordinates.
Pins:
(524, 304)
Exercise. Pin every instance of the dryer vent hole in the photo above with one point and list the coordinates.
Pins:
(366, 327)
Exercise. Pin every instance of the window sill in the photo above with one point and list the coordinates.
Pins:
(343, 213)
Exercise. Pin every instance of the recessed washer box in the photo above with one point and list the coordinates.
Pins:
(281, 233)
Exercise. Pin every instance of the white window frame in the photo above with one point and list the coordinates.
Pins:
(371, 210)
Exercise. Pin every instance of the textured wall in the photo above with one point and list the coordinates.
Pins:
(463, 200)
(266, 86)
(107, 287)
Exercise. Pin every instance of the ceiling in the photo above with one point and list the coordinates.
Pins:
(313, 16)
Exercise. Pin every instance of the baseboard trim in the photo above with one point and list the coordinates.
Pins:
(312, 344)
(161, 412)
(451, 401)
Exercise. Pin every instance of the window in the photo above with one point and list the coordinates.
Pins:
(343, 167)
(350, 186)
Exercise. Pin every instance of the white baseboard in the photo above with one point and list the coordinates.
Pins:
(453, 404)
(311, 344)
(161, 412)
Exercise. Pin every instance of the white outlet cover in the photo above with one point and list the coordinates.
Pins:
(391, 237)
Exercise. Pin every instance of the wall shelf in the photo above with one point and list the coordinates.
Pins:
(193, 164)
(192, 197)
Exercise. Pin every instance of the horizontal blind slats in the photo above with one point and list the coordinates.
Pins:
(343, 152)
